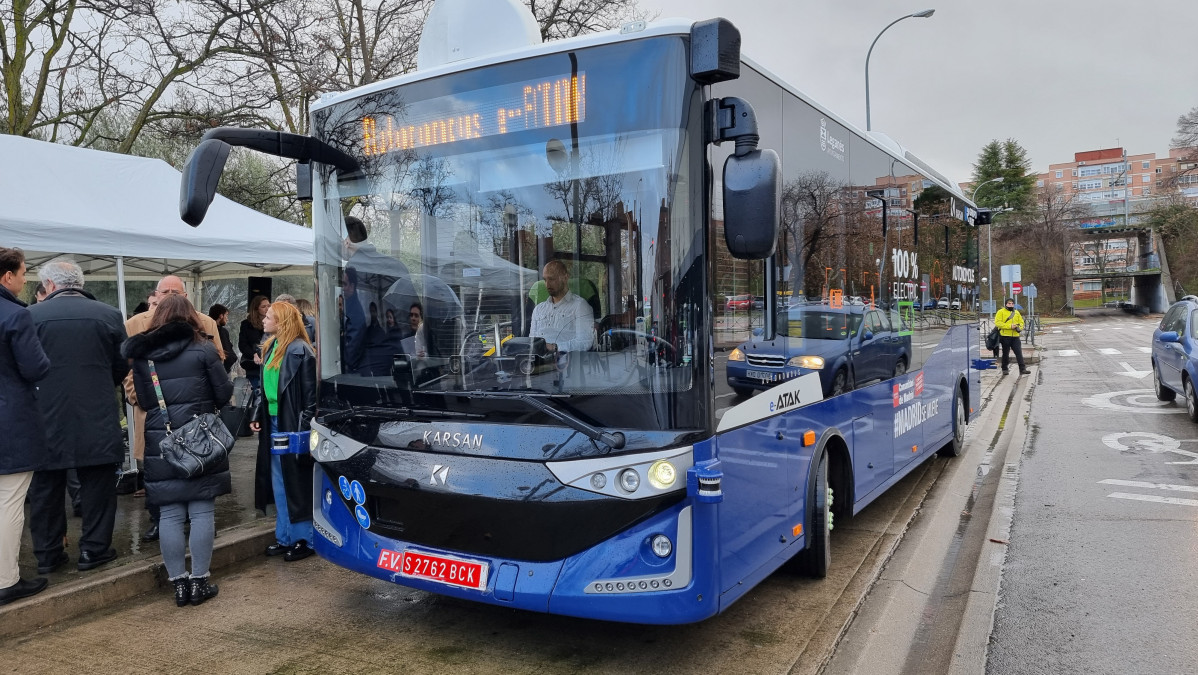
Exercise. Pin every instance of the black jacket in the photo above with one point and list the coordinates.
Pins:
(226, 343)
(79, 404)
(193, 381)
(22, 362)
(248, 341)
(297, 406)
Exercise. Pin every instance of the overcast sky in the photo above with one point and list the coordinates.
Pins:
(1059, 76)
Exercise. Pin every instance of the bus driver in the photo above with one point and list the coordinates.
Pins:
(564, 319)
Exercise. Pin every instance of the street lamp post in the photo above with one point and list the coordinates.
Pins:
(918, 15)
(989, 246)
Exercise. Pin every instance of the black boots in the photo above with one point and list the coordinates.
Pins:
(298, 551)
(201, 590)
(193, 591)
(182, 591)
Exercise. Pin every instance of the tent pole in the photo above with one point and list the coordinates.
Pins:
(130, 430)
(197, 283)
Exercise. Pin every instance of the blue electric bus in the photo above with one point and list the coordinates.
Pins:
(679, 448)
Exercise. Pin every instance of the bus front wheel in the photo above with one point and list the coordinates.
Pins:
(817, 558)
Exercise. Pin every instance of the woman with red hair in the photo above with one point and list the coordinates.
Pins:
(289, 403)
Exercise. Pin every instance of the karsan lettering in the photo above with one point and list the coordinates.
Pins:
(963, 274)
(454, 439)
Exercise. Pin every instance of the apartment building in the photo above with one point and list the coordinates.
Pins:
(1103, 177)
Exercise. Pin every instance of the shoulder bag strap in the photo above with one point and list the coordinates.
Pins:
(158, 390)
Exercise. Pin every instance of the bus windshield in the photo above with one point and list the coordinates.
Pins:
(521, 228)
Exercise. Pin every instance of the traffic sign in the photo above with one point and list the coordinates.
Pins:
(1016, 288)
(923, 285)
(1031, 291)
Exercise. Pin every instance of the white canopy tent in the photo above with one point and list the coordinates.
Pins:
(119, 216)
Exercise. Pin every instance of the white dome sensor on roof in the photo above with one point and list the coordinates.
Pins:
(456, 30)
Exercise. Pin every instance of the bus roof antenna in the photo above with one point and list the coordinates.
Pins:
(456, 30)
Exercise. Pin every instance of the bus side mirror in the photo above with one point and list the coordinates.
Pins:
(752, 204)
(752, 181)
(201, 174)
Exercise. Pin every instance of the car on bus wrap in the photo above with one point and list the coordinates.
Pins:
(848, 346)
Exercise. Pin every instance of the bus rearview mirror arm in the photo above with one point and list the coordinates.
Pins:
(204, 166)
(752, 181)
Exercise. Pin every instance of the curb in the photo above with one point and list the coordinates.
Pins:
(111, 587)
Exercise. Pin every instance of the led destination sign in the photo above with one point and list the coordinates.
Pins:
(493, 111)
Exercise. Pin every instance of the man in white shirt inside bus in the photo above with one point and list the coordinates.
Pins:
(564, 320)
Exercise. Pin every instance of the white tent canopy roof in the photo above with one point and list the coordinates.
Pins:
(100, 205)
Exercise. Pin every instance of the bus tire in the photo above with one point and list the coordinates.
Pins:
(742, 392)
(815, 560)
(956, 446)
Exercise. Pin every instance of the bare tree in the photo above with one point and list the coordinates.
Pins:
(1187, 133)
(1043, 235)
(570, 18)
(812, 207)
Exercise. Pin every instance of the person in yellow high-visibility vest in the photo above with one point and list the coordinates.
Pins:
(1010, 324)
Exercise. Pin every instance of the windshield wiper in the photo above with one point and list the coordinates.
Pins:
(375, 412)
(614, 440)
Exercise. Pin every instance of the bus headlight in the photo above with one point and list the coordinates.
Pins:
(662, 475)
(736, 355)
(329, 447)
(630, 480)
(808, 362)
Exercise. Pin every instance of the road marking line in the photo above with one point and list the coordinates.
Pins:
(1109, 351)
(1095, 330)
(1115, 328)
(1146, 350)
(1058, 331)
(1150, 486)
(1068, 352)
(1153, 498)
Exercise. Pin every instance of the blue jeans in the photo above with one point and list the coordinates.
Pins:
(287, 533)
(203, 531)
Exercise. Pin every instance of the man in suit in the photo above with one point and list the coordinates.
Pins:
(22, 363)
(81, 416)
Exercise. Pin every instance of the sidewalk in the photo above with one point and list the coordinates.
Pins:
(241, 533)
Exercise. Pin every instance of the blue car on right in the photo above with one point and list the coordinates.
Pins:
(1175, 354)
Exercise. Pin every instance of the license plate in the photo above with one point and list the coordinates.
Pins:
(760, 375)
(440, 568)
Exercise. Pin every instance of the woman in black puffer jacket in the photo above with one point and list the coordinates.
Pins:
(193, 381)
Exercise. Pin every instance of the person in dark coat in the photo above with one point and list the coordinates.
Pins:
(220, 314)
(193, 381)
(289, 403)
(250, 338)
(22, 363)
(81, 416)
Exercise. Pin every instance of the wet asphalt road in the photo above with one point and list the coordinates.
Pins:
(1102, 570)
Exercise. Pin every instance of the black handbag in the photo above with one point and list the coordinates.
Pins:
(992, 339)
(197, 448)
